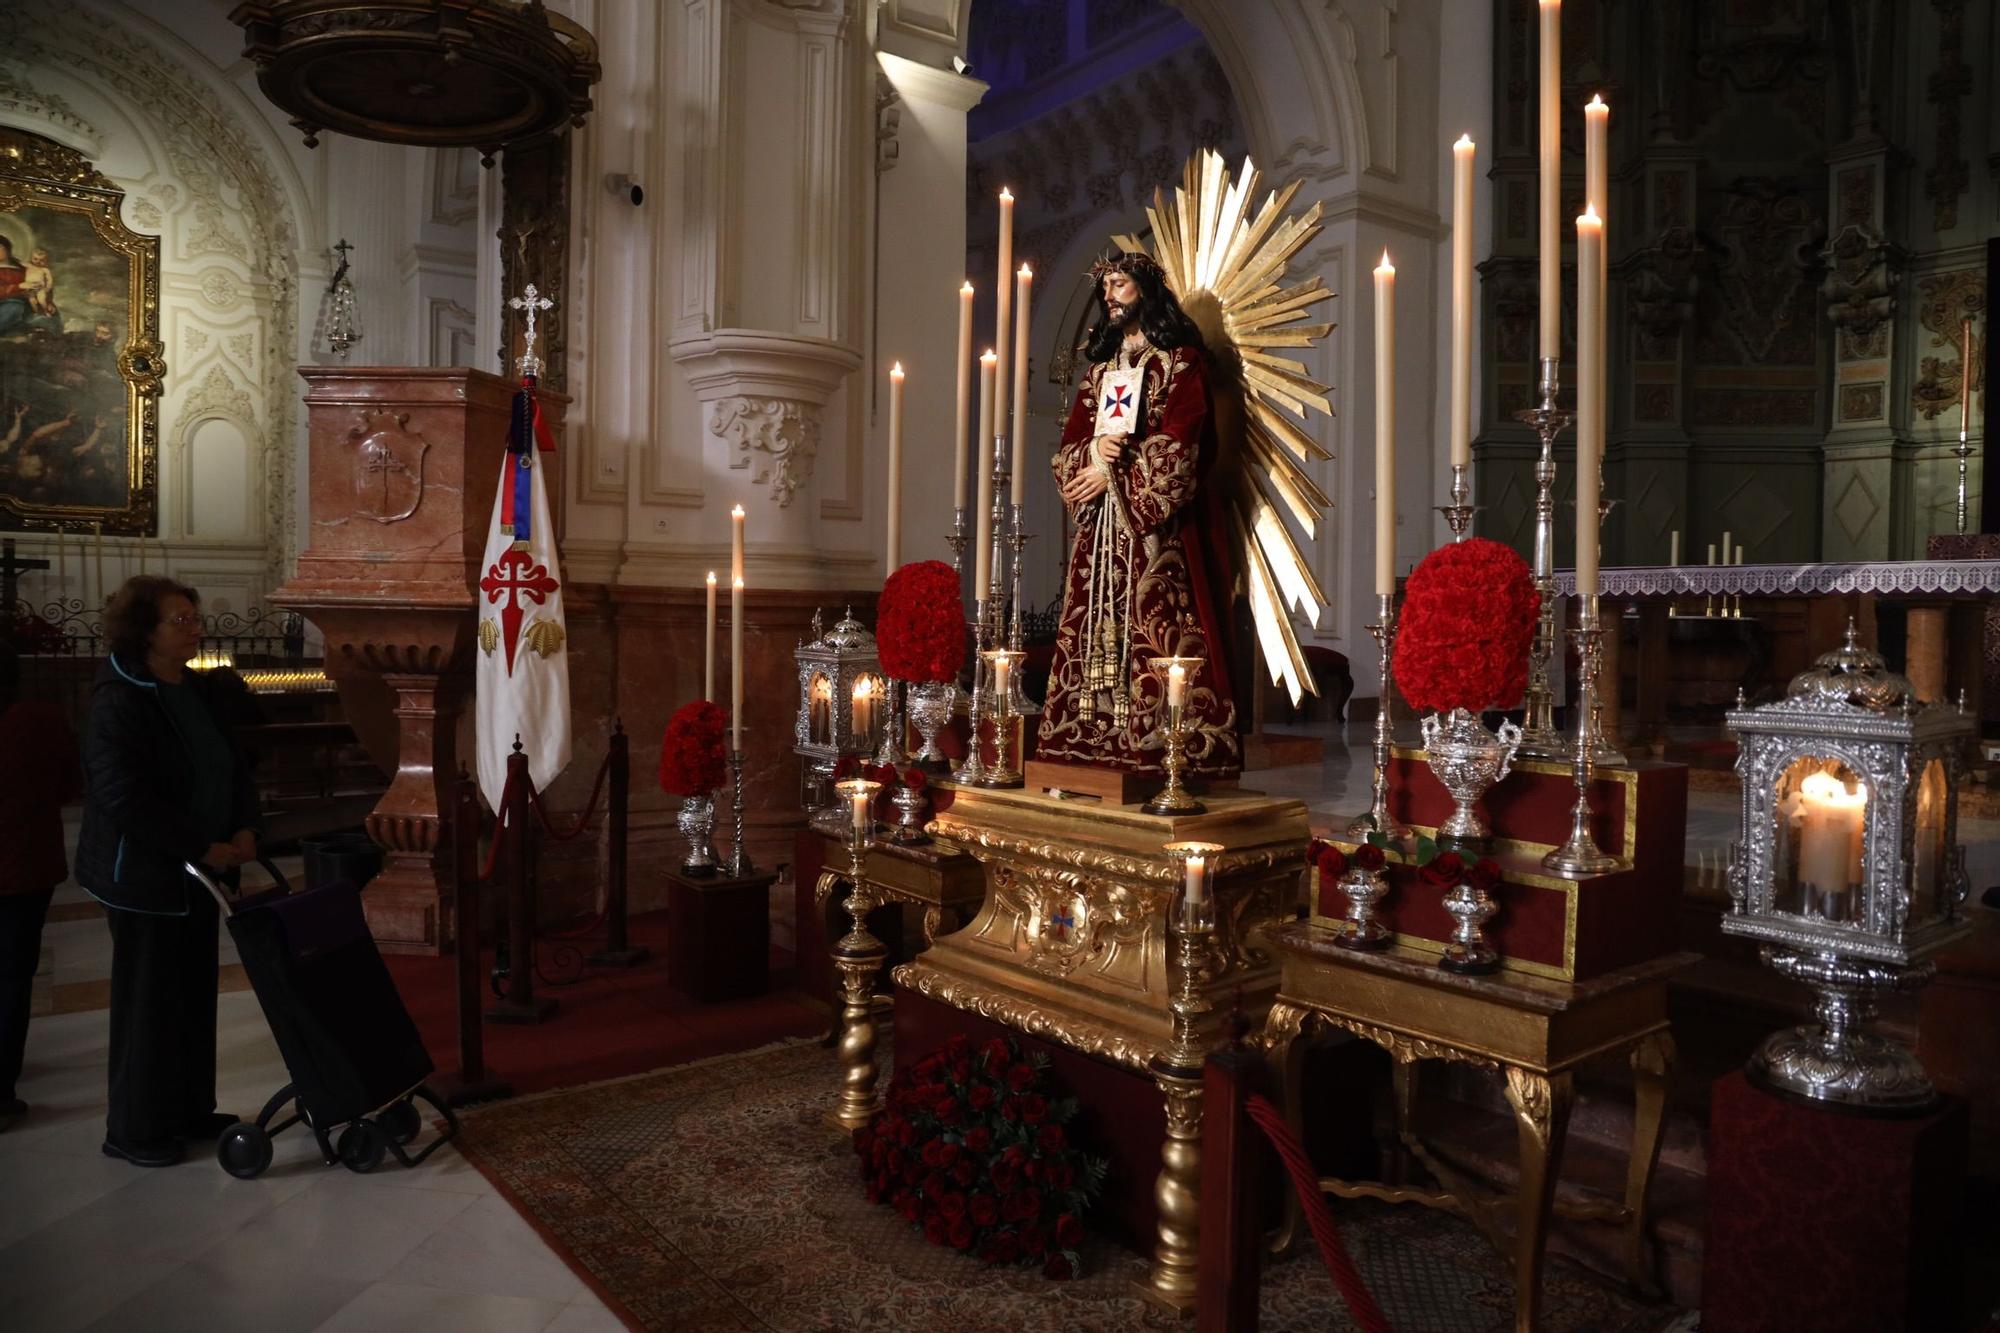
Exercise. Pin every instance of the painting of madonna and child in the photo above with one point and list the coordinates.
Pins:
(64, 406)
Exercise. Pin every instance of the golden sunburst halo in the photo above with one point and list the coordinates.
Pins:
(1227, 268)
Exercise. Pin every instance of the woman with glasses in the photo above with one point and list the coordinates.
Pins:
(164, 784)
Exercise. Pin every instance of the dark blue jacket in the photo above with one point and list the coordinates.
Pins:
(137, 825)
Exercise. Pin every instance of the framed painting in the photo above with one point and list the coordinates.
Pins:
(80, 353)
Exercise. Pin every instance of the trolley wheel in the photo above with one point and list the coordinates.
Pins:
(244, 1150)
(402, 1121)
(361, 1146)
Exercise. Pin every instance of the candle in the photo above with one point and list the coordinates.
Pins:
(708, 645)
(1194, 891)
(1461, 302)
(736, 543)
(1596, 162)
(1725, 549)
(1176, 685)
(1003, 671)
(1965, 376)
(982, 516)
(1385, 427)
(736, 664)
(895, 466)
(858, 797)
(1711, 553)
(864, 707)
(62, 564)
(1002, 344)
(1019, 485)
(97, 550)
(1830, 822)
(1589, 397)
(1551, 178)
(1674, 548)
(962, 419)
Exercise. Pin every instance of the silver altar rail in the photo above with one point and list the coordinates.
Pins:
(1896, 578)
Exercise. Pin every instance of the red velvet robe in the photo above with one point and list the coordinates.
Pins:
(1166, 580)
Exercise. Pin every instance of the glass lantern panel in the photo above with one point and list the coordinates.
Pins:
(1821, 810)
(819, 710)
(1927, 866)
(871, 706)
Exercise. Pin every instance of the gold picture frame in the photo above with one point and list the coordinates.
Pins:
(81, 361)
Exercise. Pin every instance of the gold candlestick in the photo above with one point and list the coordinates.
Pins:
(1002, 666)
(859, 957)
(1179, 674)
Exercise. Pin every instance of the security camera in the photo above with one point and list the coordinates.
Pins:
(624, 187)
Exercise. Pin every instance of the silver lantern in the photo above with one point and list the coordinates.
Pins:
(1848, 869)
(843, 703)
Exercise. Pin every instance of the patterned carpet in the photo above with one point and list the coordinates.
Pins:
(713, 1197)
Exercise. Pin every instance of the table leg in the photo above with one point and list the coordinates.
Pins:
(859, 956)
(1652, 1068)
(1282, 1029)
(1177, 1192)
(1541, 1105)
(1405, 1081)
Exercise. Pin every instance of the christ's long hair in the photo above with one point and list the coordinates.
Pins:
(1161, 318)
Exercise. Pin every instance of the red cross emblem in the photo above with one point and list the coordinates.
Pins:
(1118, 401)
(513, 576)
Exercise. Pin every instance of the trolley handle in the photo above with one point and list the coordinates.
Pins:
(224, 899)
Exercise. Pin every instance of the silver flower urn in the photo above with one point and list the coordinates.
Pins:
(1467, 759)
(1468, 953)
(696, 822)
(912, 805)
(931, 706)
(1363, 930)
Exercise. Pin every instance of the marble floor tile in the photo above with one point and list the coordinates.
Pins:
(293, 1297)
(397, 1307)
(42, 1188)
(586, 1314)
(489, 1248)
(350, 1231)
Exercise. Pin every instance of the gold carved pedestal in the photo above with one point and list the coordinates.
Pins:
(1072, 945)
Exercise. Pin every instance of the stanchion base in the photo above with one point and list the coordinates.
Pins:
(631, 957)
(455, 1090)
(534, 1011)
(1177, 1304)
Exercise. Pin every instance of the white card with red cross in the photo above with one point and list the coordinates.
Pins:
(1118, 400)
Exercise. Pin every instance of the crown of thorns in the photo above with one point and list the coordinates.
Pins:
(1130, 262)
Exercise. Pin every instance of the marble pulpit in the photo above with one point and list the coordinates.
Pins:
(404, 461)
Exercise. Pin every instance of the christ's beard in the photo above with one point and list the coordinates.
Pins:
(1121, 316)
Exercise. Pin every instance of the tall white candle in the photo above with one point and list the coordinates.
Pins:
(1674, 548)
(982, 548)
(1596, 156)
(1018, 484)
(1550, 162)
(1589, 397)
(1003, 323)
(1726, 548)
(1461, 301)
(736, 543)
(736, 663)
(708, 645)
(97, 553)
(895, 466)
(1385, 427)
(962, 419)
(62, 564)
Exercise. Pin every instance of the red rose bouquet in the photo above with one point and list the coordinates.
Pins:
(1330, 863)
(920, 623)
(1468, 619)
(691, 760)
(972, 1146)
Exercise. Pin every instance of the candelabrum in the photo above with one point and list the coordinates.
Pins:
(739, 853)
(956, 540)
(890, 751)
(859, 956)
(996, 588)
(1964, 451)
(1580, 855)
(1002, 665)
(1458, 514)
(1017, 541)
(1174, 798)
(1378, 819)
(1539, 736)
(971, 770)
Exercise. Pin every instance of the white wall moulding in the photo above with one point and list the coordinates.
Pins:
(776, 438)
(762, 394)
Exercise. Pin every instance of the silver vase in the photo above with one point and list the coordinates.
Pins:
(1467, 759)
(1468, 953)
(912, 805)
(1363, 930)
(697, 824)
(931, 706)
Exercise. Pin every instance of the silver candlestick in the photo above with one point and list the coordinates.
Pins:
(1458, 514)
(1017, 539)
(1539, 736)
(890, 751)
(739, 854)
(1378, 819)
(956, 540)
(1964, 451)
(1580, 856)
(996, 568)
(972, 769)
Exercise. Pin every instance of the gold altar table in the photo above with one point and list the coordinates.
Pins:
(1535, 1031)
(1072, 945)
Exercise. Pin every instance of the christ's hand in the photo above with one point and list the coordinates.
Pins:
(1084, 487)
(1108, 449)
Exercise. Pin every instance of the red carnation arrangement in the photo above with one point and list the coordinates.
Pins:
(1468, 618)
(920, 623)
(971, 1146)
(1331, 863)
(691, 760)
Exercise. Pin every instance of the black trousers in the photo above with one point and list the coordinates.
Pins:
(21, 918)
(163, 984)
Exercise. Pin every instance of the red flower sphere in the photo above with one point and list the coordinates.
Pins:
(1468, 618)
(691, 759)
(920, 623)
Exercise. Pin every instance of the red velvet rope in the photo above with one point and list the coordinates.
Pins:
(583, 820)
(1360, 1301)
(493, 849)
